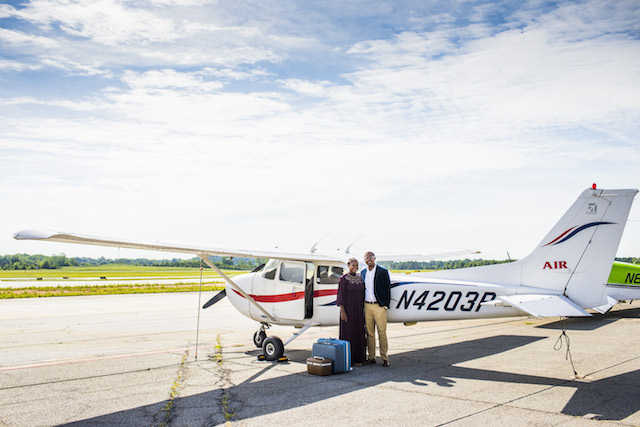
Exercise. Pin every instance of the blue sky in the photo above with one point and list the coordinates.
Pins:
(422, 125)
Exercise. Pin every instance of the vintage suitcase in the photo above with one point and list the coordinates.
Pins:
(319, 365)
(339, 351)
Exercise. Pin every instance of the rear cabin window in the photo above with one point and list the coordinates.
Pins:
(329, 275)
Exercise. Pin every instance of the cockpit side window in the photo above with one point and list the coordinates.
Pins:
(290, 272)
(269, 271)
(329, 275)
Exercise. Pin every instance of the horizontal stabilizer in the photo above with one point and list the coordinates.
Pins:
(541, 305)
(603, 309)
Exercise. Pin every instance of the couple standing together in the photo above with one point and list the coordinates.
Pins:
(364, 300)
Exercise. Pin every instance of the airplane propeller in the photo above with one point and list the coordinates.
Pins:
(215, 299)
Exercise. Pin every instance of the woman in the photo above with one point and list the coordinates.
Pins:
(351, 302)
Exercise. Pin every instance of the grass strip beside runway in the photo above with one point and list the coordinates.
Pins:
(59, 291)
(112, 271)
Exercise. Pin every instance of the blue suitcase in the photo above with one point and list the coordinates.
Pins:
(339, 351)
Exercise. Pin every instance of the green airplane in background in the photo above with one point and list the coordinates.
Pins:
(623, 283)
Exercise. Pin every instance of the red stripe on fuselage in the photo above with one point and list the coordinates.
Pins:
(289, 297)
(325, 293)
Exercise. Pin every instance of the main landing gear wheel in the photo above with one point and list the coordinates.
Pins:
(272, 348)
(259, 337)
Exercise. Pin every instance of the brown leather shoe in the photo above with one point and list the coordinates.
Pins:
(370, 361)
(385, 363)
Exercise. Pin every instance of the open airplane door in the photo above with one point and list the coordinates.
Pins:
(290, 288)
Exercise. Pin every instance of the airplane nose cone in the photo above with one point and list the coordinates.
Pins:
(243, 281)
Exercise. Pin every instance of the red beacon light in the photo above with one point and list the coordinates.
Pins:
(593, 186)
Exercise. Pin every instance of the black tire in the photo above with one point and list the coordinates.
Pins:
(259, 337)
(272, 348)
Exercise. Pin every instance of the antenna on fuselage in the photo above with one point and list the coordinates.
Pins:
(346, 251)
(314, 247)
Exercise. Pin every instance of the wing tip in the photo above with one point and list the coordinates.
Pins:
(34, 234)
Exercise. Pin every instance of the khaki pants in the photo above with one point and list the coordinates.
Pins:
(376, 317)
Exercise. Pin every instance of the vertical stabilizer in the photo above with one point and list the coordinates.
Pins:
(576, 256)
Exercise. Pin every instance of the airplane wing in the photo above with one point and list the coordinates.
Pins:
(53, 236)
(541, 305)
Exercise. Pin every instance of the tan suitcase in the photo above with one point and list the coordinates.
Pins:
(319, 366)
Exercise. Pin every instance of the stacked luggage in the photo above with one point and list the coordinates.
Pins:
(337, 351)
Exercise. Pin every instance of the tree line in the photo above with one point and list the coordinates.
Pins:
(440, 265)
(32, 262)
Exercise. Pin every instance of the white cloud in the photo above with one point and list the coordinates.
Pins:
(19, 38)
(515, 80)
(105, 21)
(110, 33)
(304, 87)
(74, 68)
(163, 79)
(424, 135)
(182, 3)
(16, 66)
(6, 11)
(408, 48)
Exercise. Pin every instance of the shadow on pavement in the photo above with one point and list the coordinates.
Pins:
(607, 399)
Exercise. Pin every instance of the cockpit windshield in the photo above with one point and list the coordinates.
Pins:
(269, 271)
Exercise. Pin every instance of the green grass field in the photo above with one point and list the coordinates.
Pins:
(61, 291)
(112, 272)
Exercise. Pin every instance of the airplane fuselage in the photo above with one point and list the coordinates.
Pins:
(298, 300)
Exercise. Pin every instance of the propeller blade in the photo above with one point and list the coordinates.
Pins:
(215, 299)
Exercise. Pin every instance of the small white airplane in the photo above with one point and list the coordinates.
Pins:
(564, 275)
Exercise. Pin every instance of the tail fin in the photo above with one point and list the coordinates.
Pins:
(577, 254)
(575, 258)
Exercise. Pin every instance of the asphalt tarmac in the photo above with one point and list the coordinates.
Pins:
(130, 360)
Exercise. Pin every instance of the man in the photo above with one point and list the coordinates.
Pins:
(377, 297)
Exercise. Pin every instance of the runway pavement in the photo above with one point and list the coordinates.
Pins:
(130, 360)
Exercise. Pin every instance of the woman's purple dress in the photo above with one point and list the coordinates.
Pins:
(351, 297)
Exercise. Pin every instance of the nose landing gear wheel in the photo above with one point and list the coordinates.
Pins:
(259, 337)
(272, 348)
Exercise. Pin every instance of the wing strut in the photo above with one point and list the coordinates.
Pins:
(298, 333)
(236, 287)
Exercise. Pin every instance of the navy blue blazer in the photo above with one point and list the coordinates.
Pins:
(381, 285)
